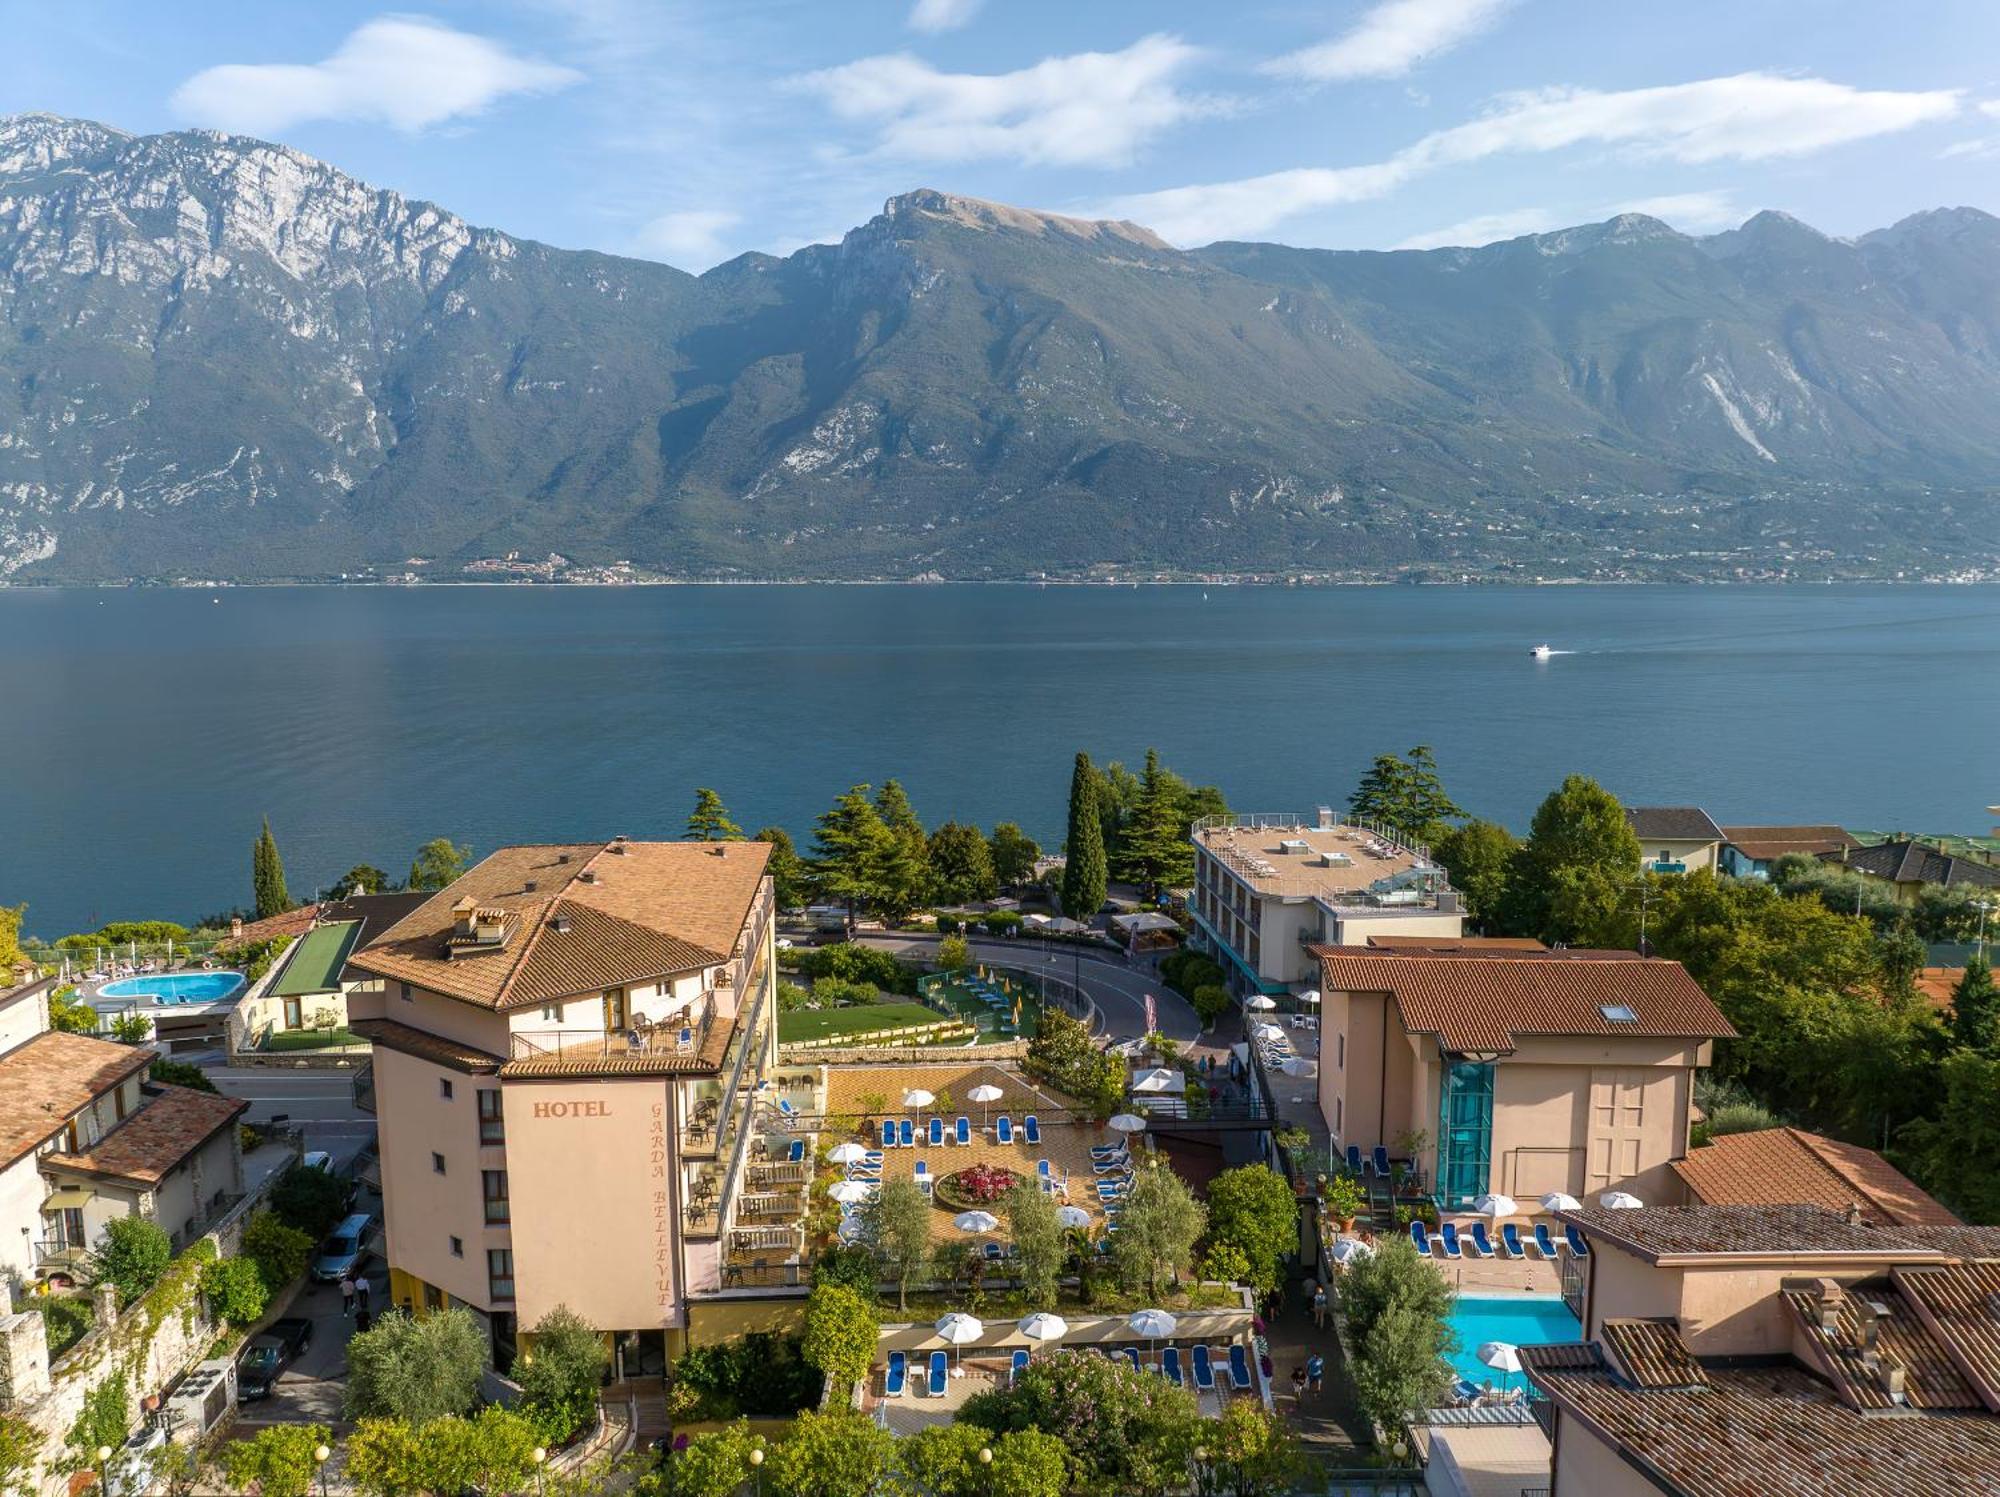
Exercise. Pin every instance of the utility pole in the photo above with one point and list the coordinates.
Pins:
(1645, 904)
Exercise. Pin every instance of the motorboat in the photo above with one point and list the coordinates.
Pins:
(1541, 652)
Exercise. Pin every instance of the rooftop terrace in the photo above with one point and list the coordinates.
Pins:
(1291, 857)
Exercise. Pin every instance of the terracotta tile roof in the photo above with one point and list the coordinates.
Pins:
(1860, 1371)
(1759, 1431)
(1955, 1242)
(1483, 1002)
(1657, 1232)
(577, 917)
(53, 1077)
(1652, 1354)
(148, 1144)
(1673, 823)
(292, 923)
(1768, 843)
(425, 1046)
(1910, 862)
(1962, 1305)
(1790, 1167)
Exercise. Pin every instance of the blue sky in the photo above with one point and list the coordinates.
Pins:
(691, 130)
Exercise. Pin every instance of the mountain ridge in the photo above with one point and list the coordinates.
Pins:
(226, 359)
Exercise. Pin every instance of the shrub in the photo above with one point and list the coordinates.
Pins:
(104, 1419)
(180, 1073)
(560, 1374)
(313, 1201)
(234, 1288)
(419, 1370)
(836, 1454)
(953, 954)
(280, 1252)
(1253, 1208)
(1002, 923)
(1211, 1002)
(277, 1461)
(949, 925)
(65, 1320)
(716, 1464)
(850, 1266)
(977, 1185)
(135, 1253)
(840, 1333)
(1122, 1430)
(761, 1375)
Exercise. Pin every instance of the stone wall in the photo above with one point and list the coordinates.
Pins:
(905, 1055)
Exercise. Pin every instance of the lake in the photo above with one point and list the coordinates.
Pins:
(143, 733)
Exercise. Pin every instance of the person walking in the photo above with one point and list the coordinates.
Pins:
(1315, 1373)
(1298, 1385)
(361, 1291)
(346, 1295)
(1319, 1306)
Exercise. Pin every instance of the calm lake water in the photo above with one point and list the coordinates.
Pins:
(143, 733)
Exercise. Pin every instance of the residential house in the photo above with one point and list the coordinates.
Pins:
(1521, 1072)
(573, 1036)
(1791, 1167)
(1910, 867)
(1740, 1349)
(1675, 839)
(1270, 887)
(309, 990)
(1749, 851)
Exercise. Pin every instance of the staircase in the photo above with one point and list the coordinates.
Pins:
(1381, 1207)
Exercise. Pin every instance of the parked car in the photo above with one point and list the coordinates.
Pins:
(318, 1159)
(269, 1353)
(342, 1250)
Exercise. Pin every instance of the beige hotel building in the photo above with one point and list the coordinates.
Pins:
(572, 1038)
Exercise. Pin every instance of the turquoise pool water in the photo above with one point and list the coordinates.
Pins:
(1517, 1319)
(175, 987)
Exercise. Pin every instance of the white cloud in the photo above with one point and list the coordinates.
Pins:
(691, 237)
(942, 15)
(1992, 107)
(1391, 39)
(403, 71)
(1487, 228)
(1085, 109)
(1690, 212)
(1748, 117)
(1971, 150)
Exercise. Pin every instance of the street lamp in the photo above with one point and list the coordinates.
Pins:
(104, 1469)
(320, 1455)
(541, 1458)
(986, 1465)
(757, 1466)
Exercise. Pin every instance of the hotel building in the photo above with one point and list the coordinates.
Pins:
(573, 1037)
(1269, 887)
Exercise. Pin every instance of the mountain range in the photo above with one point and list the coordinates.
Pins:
(223, 359)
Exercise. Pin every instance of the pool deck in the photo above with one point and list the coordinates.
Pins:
(92, 991)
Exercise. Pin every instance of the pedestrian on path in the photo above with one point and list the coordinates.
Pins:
(361, 1291)
(1298, 1385)
(1319, 1306)
(1315, 1373)
(360, 1321)
(346, 1295)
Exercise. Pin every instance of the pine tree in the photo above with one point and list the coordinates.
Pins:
(267, 875)
(1975, 1008)
(903, 876)
(962, 864)
(850, 845)
(709, 821)
(1406, 795)
(790, 881)
(1155, 852)
(1084, 879)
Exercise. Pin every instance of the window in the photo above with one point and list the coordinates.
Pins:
(403, 992)
(437, 1164)
(433, 1297)
(458, 1247)
(1465, 1133)
(444, 1088)
(120, 1096)
(494, 1186)
(492, 1126)
(1619, 1013)
(500, 1274)
(1339, 1114)
(1340, 1051)
(552, 1013)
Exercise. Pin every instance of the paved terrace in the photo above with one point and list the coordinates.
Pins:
(1337, 864)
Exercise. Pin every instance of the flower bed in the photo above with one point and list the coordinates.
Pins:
(975, 1185)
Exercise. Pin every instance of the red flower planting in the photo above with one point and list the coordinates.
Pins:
(984, 1183)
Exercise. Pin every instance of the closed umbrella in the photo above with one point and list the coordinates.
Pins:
(1496, 1205)
(983, 1094)
(850, 1190)
(958, 1328)
(1555, 1200)
(975, 1221)
(1125, 1122)
(1260, 1004)
(1043, 1326)
(846, 1153)
(1620, 1200)
(1073, 1216)
(1502, 1356)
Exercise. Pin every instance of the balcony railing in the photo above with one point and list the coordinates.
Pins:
(55, 1253)
(667, 1041)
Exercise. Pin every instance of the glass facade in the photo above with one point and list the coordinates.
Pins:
(1465, 1132)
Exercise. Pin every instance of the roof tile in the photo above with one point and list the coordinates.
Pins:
(51, 1078)
(148, 1144)
(1790, 1167)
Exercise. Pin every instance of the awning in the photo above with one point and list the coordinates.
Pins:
(68, 1198)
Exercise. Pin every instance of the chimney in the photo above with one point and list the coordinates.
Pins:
(529, 887)
(1326, 818)
(1448, 902)
(588, 876)
(560, 925)
(1855, 1216)
(618, 846)
(235, 927)
(461, 915)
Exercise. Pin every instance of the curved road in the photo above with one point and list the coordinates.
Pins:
(1118, 991)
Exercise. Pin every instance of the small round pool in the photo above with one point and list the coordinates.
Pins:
(176, 987)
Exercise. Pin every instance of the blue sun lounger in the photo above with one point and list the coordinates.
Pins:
(906, 1135)
(1204, 1369)
(1003, 1129)
(1018, 1366)
(1421, 1238)
(1480, 1244)
(1544, 1242)
(1031, 1126)
(936, 1133)
(940, 1367)
(1510, 1240)
(1239, 1367)
(796, 1152)
(897, 1376)
(886, 1132)
(964, 1131)
(1382, 1162)
(1450, 1235)
(1170, 1364)
(1576, 1243)
(1131, 1356)
(1354, 1158)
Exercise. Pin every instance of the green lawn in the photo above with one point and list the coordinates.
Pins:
(310, 1039)
(821, 1023)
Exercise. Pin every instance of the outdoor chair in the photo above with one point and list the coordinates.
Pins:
(940, 1368)
(1544, 1242)
(1131, 1356)
(1575, 1240)
(1420, 1238)
(897, 1376)
(1239, 1367)
(1382, 1162)
(1450, 1235)
(993, 1253)
(1017, 1365)
(873, 1159)
(1480, 1244)
(686, 1039)
(906, 1135)
(936, 1133)
(923, 1178)
(1510, 1241)
(1170, 1364)
(1204, 1369)
(1003, 1129)
(1033, 1128)
(886, 1132)
(964, 1132)
(796, 1152)
(1354, 1159)
(788, 1112)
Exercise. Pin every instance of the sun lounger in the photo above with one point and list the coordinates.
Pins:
(1510, 1241)
(886, 1132)
(1480, 1244)
(1003, 1129)
(1018, 1365)
(993, 1254)
(1544, 1242)
(1421, 1238)
(873, 1158)
(1382, 1162)
(788, 1112)
(925, 1182)
(1204, 1369)
(796, 1152)
(1170, 1364)
(1450, 1235)
(1465, 1390)
(940, 1368)
(906, 1135)
(936, 1133)
(964, 1131)
(1239, 1367)
(1354, 1159)
(1117, 1148)
(1031, 1126)
(895, 1378)
(1131, 1356)
(1575, 1240)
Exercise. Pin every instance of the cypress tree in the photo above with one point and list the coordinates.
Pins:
(267, 875)
(1975, 1008)
(1084, 879)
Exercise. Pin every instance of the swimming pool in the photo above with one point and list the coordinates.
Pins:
(176, 987)
(1520, 1320)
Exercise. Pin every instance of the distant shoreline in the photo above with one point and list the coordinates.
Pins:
(1294, 583)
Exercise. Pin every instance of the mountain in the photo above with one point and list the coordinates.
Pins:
(220, 358)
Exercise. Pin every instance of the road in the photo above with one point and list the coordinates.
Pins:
(320, 1102)
(1118, 990)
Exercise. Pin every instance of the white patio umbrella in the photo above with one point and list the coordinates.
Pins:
(917, 1097)
(1259, 1004)
(1298, 1065)
(1072, 1216)
(846, 1153)
(984, 1094)
(975, 1221)
(1311, 996)
(1043, 1326)
(1496, 1205)
(850, 1190)
(1159, 1079)
(958, 1328)
(1620, 1200)
(1502, 1356)
(1267, 1031)
(1350, 1250)
(1555, 1200)
(1125, 1122)
(1154, 1325)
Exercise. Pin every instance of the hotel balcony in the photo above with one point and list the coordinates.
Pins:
(693, 1042)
